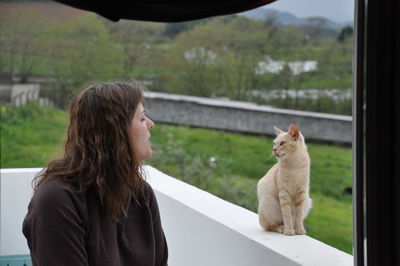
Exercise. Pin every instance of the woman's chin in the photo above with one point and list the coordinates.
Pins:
(148, 155)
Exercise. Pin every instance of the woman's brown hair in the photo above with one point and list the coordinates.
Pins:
(98, 151)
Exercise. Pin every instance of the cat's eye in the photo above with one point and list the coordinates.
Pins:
(282, 143)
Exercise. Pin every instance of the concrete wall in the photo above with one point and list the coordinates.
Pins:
(20, 94)
(245, 117)
(201, 229)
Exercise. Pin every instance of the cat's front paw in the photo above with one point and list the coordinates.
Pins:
(300, 231)
(289, 232)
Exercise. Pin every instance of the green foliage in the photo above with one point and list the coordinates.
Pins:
(210, 57)
(330, 221)
(30, 135)
(345, 33)
(214, 59)
(174, 29)
(324, 103)
(138, 42)
(68, 54)
(87, 53)
(22, 42)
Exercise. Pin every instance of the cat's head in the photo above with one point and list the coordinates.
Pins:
(286, 143)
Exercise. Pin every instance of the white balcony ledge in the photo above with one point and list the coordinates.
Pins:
(201, 229)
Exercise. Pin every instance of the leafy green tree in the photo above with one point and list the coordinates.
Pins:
(139, 42)
(174, 29)
(71, 54)
(288, 43)
(345, 33)
(216, 58)
(334, 72)
(82, 51)
(22, 42)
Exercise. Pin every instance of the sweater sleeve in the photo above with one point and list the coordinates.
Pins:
(160, 240)
(54, 228)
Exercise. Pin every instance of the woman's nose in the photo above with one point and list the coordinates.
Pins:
(150, 123)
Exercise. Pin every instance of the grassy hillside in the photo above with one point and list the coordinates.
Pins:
(225, 164)
(31, 135)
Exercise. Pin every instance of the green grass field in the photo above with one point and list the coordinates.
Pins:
(225, 164)
(31, 135)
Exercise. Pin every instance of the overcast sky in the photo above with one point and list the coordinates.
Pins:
(337, 10)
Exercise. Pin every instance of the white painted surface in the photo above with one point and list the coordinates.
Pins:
(201, 229)
(15, 194)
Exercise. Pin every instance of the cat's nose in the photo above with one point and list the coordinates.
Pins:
(274, 149)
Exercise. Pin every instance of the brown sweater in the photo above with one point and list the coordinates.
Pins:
(67, 228)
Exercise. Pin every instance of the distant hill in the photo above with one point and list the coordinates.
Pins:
(54, 11)
(286, 18)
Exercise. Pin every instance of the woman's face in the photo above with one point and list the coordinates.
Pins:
(140, 134)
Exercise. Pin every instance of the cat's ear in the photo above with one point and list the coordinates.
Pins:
(294, 131)
(278, 131)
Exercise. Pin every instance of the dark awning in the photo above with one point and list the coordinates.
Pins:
(164, 11)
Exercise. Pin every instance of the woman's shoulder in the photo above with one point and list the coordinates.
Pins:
(55, 191)
(53, 185)
(150, 197)
(148, 190)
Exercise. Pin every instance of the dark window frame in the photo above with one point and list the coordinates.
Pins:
(376, 140)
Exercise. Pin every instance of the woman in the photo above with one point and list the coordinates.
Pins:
(92, 207)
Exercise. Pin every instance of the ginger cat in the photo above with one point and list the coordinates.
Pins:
(283, 193)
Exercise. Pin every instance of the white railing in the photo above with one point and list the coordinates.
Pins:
(201, 229)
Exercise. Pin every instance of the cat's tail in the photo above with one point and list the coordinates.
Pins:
(310, 204)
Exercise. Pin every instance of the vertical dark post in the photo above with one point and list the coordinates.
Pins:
(377, 133)
(358, 135)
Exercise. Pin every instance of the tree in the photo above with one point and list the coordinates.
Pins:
(22, 42)
(212, 59)
(287, 43)
(81, 51)
(70, 54)
(138, 41)
(174, 29)
(334, 72)
(346, 32)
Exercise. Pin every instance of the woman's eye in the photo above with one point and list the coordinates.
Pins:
(282, 143)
